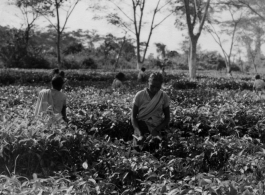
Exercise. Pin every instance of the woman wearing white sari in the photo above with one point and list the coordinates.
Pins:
(150, 113)
(52, 101)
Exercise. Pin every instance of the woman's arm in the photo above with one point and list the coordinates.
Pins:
(134, 120)
(165, 122)
(64, 113)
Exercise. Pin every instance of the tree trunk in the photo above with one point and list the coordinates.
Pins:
(258, 47)
(119, 54)
(27, 36)
(58, 35)
(139, 65)
(242, 67)
(192, 58)
(255, 66)
(138, 52)
(228, 68)
(58, 49)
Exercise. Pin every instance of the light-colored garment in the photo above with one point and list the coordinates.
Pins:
(117, 84)
(259, 84)
(141, 76)
(151, 110)
(50, 98)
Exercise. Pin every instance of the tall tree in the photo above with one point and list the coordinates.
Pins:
(120, 51)
(133, 17)
(251, 34)
(228, 27)
(253, 30)
(54, 8)
(30, 15)
(196, 12)
(109, 48)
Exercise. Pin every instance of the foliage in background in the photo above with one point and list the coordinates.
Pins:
(103, 50)
(134, 19)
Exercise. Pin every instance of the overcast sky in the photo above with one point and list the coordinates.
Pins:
(81, 18)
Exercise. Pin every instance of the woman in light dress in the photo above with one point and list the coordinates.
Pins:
(52, 101)
(150, 112)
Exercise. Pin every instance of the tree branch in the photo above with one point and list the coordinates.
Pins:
(141, 16)
(162, 20)
(252, 9)
(135, 20)
(217, 40)
(151, 29)
(188, 19)
(158, 10)
(195, 13)
(204, 16)
(50, 22)
(68, 15)
(127, 27)
(234, 30)
(122, 11)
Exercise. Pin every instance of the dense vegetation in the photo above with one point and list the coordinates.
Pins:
(39, 52)
(214, 144)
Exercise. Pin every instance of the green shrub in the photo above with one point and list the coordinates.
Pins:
(14, 49)
(184, 84)
(37, 62)
(124, 64)
(112, 61)
(73, 49)
(89, 63)
(70, 63)
(52, 60)
(235, 68)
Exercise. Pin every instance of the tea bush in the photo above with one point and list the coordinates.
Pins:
(214, 143)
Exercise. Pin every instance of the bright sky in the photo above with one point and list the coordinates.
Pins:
(81, 18)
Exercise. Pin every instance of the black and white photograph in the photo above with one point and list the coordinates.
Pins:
(132, 97)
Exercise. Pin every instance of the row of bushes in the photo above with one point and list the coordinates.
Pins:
(81, 77)
(39, 62)
(68, 62)
(20, 76)
(87, 63)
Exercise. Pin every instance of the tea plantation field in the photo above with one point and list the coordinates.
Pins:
(214, 144)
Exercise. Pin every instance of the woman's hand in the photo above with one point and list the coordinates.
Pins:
(138, 134)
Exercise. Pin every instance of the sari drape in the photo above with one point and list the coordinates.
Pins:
(45, 107)
(44, 102)
(146, 112)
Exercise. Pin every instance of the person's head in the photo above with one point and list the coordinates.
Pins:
(155, 82)
(120, 76)
(57, 83)
(143, 69)
(62, 74)
(257, 76)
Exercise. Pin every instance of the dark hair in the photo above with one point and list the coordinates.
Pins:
(156, 76)
(120, 76)
(143, 69)
(257, 76)
(57, 83)
(55, 71)
(62, 74)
